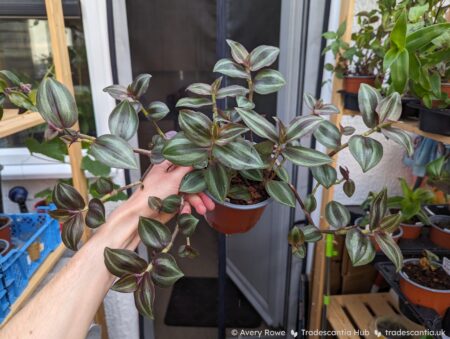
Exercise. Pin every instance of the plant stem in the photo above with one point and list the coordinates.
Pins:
(142, 151)
(120, 189)
(250, 87)
(302, 205)
(215, 110)
(172, 240)
(160, 132)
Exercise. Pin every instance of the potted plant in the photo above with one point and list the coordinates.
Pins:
(411, 204)
(240, 172)
(5, 227)
(424, 282)
(360, 61)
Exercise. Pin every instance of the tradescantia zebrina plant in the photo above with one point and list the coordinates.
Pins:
(237, 156)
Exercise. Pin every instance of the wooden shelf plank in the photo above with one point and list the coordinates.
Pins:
(13, 122)
(35, 280)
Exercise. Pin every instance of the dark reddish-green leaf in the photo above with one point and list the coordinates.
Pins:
(171, 204)
(144, 296)
(96, 213)
(67, 197)
(153, 233)
(127, 284)
(114, 152)
(187, 223)
(72, 230)
(165, 270)
(120, 262)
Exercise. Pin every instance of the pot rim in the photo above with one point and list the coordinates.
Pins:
(7, 245)
(417, 224)
(405, 276)
(436, 226)
(8, 223)
(240, 207)
(360, 76)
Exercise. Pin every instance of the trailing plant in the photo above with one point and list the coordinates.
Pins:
(411, 203)
(438, 172)
(237, 155)
(429, 261)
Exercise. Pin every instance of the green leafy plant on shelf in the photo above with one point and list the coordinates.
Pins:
(238, 157)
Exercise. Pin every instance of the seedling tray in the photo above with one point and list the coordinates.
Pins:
(425, 316)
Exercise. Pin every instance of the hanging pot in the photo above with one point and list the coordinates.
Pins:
(4, 247)
(411, 231)
(352, 82)
(438, 300)
(5, 228)
(230, 218)
(440, 230)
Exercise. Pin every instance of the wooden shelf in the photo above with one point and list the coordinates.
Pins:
(35, 280)
(353, 312)
(12, 122)
(410, 126)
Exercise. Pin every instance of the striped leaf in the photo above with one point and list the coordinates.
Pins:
(325, 175)
(113, 152)
(217, 180)
(120, 262)
(263, 56)
(368, 98)
(66, 197)
(390, 223)
(238, 155)
(196, 127)
(181, 151)
(282, 174)
(310, 203)
(118, 92)
(399, 137)
(243, 102)
(230, 68)
(154, 203)
(253, 174)
(359, 247)
(231, 91)
(126, 284)
(157, 110)
(239, 192)
(56, 104)
(123, 120)
(268, 81)
(366, 151)
(193, 182)
(165, 270)
(309, 101)
(172, 203)
(193, 102)
(95, 215)
(153, 233)
(349, 187)
(328, 134)
(144, 296)
(10, 78)
(187, 223)
(199, 88)
(311, 233)
(390, 249)
(304, 156)
(140, 84)
(390, 108)
(281, 192)
(230, 132)
(72, 231)
(337, 214)
(238, 52)
(258, 124)
(302, 125)
(326, 109)
(378, 209)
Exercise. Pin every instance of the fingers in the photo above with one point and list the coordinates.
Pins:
(207, 201)
(197, 203)
(186, 209)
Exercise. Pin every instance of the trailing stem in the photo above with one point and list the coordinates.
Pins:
(120, 189)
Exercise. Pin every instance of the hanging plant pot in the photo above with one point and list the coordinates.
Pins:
(435, 120)
(413, 284)
(411, 231)
(410, 108)
(4, 247)
(352, 82)
(5, 228)
(230, 218)
(440, 230)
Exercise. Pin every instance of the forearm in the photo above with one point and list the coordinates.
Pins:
(66, 307)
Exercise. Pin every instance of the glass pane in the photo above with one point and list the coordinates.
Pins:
(26, 50)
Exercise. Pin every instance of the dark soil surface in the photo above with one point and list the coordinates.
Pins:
(444, 224)
(256, 189)
(438, 279)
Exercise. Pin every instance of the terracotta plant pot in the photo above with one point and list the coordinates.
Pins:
(411, 231)
(352, 82)
(5, 228)
(229, 218)
(438, 300)
(445, 88)
(4, 247)
(438, 234)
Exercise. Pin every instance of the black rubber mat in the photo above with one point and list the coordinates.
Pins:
(194, 303)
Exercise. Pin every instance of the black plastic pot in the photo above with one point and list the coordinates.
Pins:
(350, 101)
(410, 108)
(435, 120)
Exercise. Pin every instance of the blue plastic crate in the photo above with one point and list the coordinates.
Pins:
(4, 305)
(28, 229)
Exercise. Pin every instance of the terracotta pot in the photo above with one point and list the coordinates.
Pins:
(411, 231)
(438, 300)
(397, 235)
(229, 218)
(445, 88)
(4, 246)
(352, 82)
(438, 235)
(5, 228)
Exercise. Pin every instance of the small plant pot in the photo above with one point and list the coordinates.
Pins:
(34, 251)
(388, 324)
(434, 120)
(230, 218)
(410, 108)
(352, 82)
(5, 228)
(445, 88)
(396, 236)
(438, 300)
(411, 231)
(440, 230)
(4, 247)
